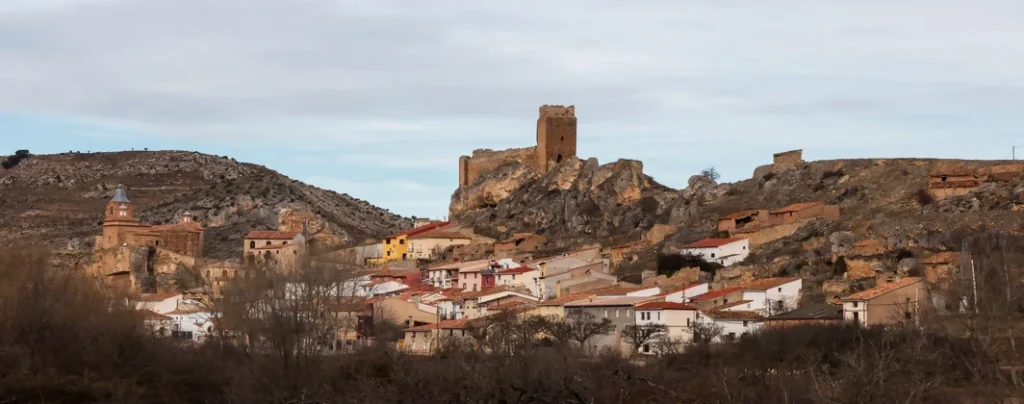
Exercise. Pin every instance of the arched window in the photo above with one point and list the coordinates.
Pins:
(252, 244)
(268, 242)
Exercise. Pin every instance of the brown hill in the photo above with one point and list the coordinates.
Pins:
(59, 199)
(889, 201)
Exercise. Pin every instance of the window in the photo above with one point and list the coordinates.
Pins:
(687, 322)
(387, 241)
(475, 274)
(402, 241)
(616, 313)
(268, 242)
(158, 243)
(907, 315)
(725, 301)
(388, 253)
(605, 313)
(744, 323)
(513, 276)
(780, 290)
(659, 315)
(856, 317)
(647, 348)
(712, 255)
(284, 243)
(855, 305)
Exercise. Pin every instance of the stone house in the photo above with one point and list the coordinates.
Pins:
(620, 253)
(619, 310)
(518, 243)
(678, 318)
(280, 250)
(938, 267)
(888, 303)
(427, 338)
(743, 220)
(799, 212)
(724, 251)
(733, 324)
(814, 314)
(218, 274)
(427, 245)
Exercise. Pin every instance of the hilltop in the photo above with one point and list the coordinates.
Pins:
(59, 199)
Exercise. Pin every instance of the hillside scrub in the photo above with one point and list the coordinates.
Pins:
(63, 339)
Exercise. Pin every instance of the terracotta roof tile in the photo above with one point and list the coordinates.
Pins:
(618, 291)
(271, 235)
(766, 283)
(882, 289)
(739, 214)
(611, 301)
(715, 293)
(796, 207)
(561, 300)
(712, 242)
(733, 315)
(730, 305)
(419, 230)
(440, 234)
(518, 270)
(665, 306)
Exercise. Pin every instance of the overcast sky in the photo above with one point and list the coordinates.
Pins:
(379, 98)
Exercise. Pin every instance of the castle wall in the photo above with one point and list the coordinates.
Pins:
(485, 161)
(788, 160)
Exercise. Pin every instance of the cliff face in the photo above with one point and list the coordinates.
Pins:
(577, 199)
(878, 198)
(58, 200)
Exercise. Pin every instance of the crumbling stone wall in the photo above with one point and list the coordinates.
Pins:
(484, 161)
(764, 235)
(787, 160)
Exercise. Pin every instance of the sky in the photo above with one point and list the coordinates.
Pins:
(378, 99)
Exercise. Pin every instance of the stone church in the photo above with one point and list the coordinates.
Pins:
(122, 228)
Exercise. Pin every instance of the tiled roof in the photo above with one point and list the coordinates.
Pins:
(715, 293)
(882, 289)
(665, 306)
(509, 305)
(618, 291)
(610, 301)
(157, 297)
(486, 292)
(733, 315)
(796, 207)
(821, 311)
(942, 258)
(739, 214)
(444, 325)
(271, 235)
(712, 242)
(561, 300)
(188, 226)
(730, 305)
(272, 247)
(690, 286)
(766, 283)
(518, 270)
(419, 230)
(440, 234)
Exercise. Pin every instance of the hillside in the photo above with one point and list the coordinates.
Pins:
(881, 199)
(59, 199)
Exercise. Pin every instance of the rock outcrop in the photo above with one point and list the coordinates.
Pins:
(58, 200)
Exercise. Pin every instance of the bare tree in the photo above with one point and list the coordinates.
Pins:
(705, 331)
(711, 173)
(640, 335)
(578, 326)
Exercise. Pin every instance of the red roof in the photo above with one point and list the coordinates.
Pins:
(882, 289)
(712, 242)
(271, 235)
(518, 270)
(734, 315)
(441, 234)
(715, 293)
(796, 207)
(419, 230)
(665, 306)
(739, 214)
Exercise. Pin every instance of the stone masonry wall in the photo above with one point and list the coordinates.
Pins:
(485, 160)
(788, 160)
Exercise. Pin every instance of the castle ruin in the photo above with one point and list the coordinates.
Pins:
(556, 141)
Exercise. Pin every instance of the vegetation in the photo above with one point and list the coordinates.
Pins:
(669, 264)
(14, 159)
(711, 173)
(64, 339)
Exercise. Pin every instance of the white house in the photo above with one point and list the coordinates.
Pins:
(772, 296)
(683, 294)
(725, 251)
(733, 324)
(192, 324)
(677, 317)
(160, 303)
(521, 276)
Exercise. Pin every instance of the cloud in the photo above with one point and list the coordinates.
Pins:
(396, 86)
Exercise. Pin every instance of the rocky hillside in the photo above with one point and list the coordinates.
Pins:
(59, 200)
(881, 199)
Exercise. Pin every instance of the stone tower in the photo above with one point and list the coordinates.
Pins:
(119, 208)
(556, 135)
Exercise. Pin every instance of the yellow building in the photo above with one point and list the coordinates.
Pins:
(396, 246)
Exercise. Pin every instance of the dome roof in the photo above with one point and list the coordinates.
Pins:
(119, 195)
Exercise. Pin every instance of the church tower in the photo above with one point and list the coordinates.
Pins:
(119, 208)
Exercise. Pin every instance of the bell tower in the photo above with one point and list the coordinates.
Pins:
(119, 208)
